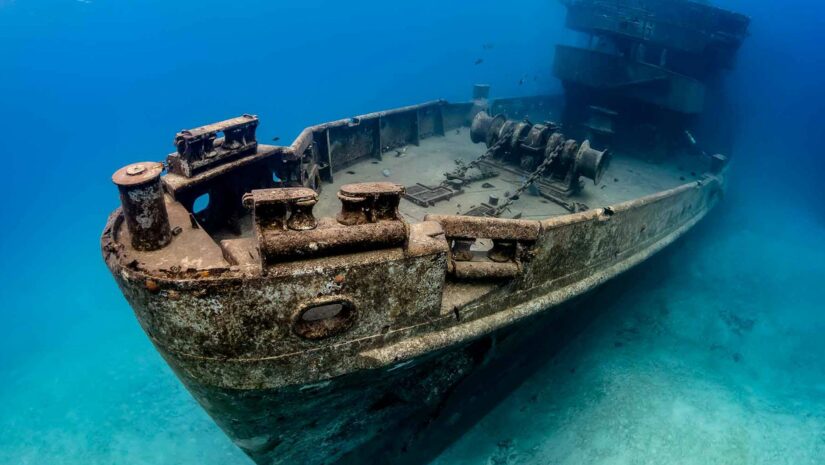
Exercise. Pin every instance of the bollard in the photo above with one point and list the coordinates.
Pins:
(141, 198)
(369, 202)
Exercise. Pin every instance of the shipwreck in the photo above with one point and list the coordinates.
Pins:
(328, 301)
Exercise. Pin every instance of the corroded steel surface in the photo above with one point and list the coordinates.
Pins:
(201, 148)
(290, 317)
(141, 196)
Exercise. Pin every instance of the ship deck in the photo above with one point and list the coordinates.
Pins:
(628, 177)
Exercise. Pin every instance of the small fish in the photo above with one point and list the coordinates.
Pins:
(458, 131)
(521, 81)
(479, 61)
(488, 46)
(276, 139)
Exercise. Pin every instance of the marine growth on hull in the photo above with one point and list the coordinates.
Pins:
(476, 177)
(380, 247)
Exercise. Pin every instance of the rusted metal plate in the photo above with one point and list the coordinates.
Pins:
(398, 130)
(535, 108)
(358, 139)
(648, 83)
(488, 228)
(687, 26)
(369, 189)
(430, 121)
(426, 196)
(213, 128)
(203, 147)
(483, 209)
(286, 194)
(456, 115)
(176, 184)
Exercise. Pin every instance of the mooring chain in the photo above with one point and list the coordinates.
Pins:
(534, 176)
(462, 169)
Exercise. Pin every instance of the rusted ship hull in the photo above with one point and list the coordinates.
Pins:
(377, 393)
(372, 332)
(404, 414)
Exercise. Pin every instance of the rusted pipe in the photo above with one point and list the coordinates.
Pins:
(485, 270)
(279, 245)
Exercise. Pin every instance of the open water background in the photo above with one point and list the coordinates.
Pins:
(713, 355)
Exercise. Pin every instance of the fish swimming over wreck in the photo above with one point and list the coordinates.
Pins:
(324, 302)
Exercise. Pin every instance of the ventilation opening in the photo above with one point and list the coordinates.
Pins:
(324, 320)
(201, 204)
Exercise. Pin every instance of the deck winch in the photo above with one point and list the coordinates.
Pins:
(527, 145)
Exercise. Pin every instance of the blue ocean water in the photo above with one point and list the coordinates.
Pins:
(712, 354)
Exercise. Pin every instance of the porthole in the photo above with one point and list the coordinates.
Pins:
(201, 203)
(323, 320)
